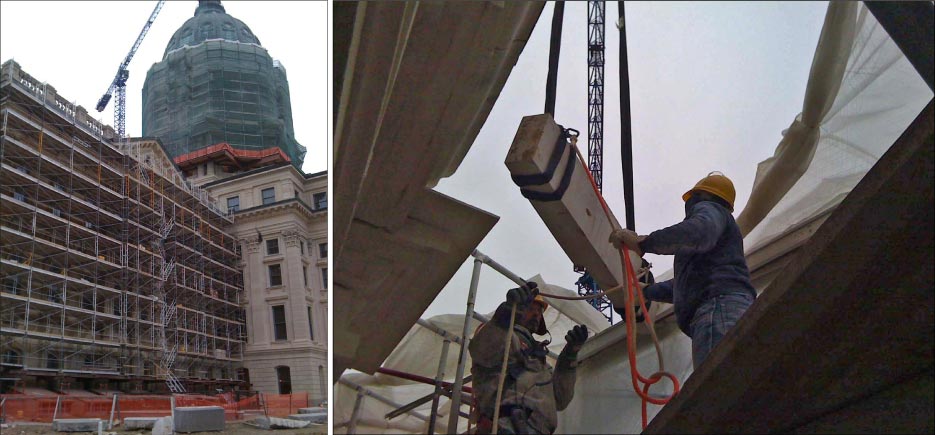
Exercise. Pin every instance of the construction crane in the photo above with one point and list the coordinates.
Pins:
(596, 12)
(119, 84)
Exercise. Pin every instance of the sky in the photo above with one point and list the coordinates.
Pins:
(712, 86)
(76, 47)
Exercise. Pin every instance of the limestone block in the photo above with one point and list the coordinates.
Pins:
(321, 417)
(76, 424)
(139, 422)
(163, 426)
(199, 419)
(575, 218)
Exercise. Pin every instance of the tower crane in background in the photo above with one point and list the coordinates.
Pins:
(119, 84)
(596, 8)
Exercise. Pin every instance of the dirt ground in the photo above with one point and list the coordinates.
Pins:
(231, 428)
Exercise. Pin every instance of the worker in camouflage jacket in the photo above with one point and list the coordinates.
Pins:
(711, 289)
(532, 392)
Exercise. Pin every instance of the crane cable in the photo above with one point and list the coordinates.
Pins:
(631, 282)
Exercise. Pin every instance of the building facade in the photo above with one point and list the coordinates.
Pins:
(115, 272)
(222, 105)
(280, 220)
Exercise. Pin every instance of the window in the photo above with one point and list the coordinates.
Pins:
(269, 195)
(87, 301)
(56, 212)
(279, 322)
(323, 250)
(275, 275)
(320, 200)
(296, 194)
(204, 169)
(52, 361)
(272, 247)
(11, 284)
(311, 332)
(284, 380)
(305, 275)
(11, 357)
(19, 196)
(302, 246)
(233, 204)
(324, 278)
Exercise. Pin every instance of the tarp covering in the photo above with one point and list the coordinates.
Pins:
(855, 121)
(219, 91)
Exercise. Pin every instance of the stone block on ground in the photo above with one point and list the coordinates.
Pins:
(199, 419)
(76, 424)
(163, 426)
(287, 423)
(313, 410)
(139, 422)
(314, 418)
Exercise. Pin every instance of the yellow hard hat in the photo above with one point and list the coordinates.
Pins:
(541, 301)
(716, 184)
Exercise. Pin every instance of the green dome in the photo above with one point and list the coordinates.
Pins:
(210, 22)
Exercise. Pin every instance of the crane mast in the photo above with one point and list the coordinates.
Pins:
(596, 13)
(119, 84)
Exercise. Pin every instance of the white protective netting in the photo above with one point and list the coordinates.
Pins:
(850, 118)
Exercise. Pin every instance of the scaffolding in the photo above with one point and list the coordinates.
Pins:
(113, 269)
(220, 91)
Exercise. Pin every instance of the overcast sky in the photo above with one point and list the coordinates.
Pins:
(77, 46)
(712, 87)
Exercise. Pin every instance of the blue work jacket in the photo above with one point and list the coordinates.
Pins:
(709, 260)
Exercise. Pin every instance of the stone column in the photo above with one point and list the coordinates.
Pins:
(297, 311)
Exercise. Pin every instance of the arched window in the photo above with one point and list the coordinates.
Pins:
(11, 356)
(52, 361)
(284, 379)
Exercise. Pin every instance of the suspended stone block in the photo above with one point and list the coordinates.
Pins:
(545, 166)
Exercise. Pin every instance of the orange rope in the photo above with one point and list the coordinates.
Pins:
(631, 283)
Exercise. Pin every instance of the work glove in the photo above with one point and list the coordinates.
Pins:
(522, 295)
(623, 237)
(575, 338)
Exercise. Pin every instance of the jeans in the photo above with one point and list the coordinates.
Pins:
(713, 319)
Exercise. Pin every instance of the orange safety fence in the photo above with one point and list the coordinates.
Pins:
(282, 405)
(21, 408)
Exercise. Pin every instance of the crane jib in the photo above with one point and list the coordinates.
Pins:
(120, 80)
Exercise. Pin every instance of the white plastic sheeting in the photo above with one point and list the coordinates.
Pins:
(419, 353)
(879, 95)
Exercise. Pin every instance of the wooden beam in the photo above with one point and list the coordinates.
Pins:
(852, 314)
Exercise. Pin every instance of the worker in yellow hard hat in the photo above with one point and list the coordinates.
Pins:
(532, 393)
(711, 289)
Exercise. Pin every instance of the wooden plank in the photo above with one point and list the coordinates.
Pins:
(852, 314)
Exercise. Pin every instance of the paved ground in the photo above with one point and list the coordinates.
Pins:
(232, 428)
